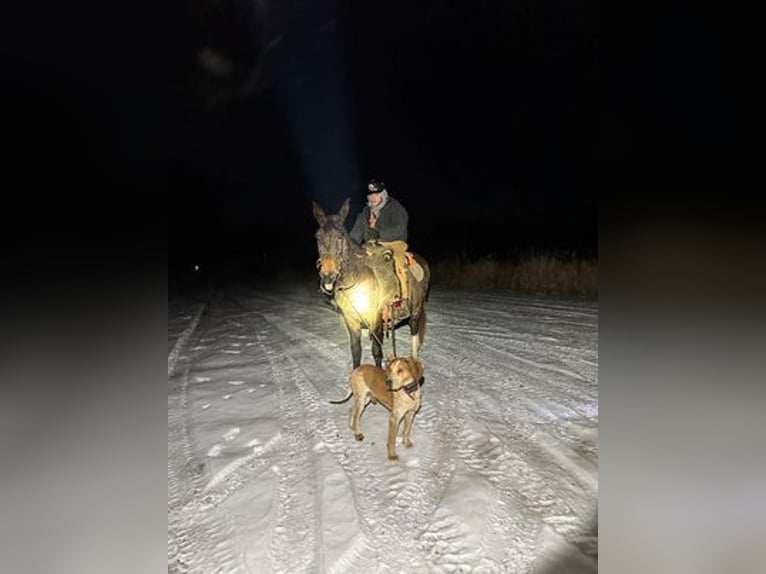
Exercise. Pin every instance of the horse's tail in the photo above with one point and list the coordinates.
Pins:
(426, 277)
(343, 400)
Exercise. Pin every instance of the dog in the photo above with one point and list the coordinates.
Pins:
(397, 387)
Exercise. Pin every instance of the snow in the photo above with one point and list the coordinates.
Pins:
(264, 474)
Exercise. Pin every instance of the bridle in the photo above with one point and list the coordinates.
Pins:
(345, 269)
(338, 251)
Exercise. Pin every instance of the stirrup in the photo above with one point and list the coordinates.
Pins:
(400, 308)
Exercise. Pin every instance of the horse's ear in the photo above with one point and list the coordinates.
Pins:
(343, 213)
(319, 214)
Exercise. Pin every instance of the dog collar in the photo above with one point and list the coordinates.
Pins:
(409, 389)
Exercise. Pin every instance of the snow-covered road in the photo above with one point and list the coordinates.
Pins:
(264, 474)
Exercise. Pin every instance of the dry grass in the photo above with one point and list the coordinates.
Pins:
(535, 274)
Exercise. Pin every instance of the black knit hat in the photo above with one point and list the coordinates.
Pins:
(375, 186)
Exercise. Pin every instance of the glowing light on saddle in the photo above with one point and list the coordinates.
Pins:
(361, 298)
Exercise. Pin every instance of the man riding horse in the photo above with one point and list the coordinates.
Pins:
(385, 220)
(362, 283)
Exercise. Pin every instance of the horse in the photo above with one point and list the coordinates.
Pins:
(362, 282)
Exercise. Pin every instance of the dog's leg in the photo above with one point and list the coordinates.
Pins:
(352, 417)
(356, 416)
(408, 428)
(393, 426)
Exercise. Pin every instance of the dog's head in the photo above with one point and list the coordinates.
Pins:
(403, 371)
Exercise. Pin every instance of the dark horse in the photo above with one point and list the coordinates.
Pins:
(363, 283)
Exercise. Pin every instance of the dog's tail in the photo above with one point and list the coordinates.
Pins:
(343, 400)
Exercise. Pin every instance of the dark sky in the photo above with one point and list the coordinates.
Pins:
(482, 118)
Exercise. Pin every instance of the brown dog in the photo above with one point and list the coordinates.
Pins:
(397, 388)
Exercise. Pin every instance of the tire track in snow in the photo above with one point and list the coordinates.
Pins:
(183, 338)
(463, 315)
(477, 450)
(239, 473)
(197, 540)
(441, 535)
(524, 482)
(403, 519)
(550, 386)
(514, 307)
(287, 372)
(514, 527)
(561, 405)
(293, 544)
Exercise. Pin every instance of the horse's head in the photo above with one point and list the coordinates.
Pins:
(334, 246)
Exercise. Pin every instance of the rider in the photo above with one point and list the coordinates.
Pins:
(384, 219)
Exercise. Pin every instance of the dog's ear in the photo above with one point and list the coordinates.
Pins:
(390, 357)
(417, 369)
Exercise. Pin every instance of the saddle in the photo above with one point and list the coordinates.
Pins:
(399, 310)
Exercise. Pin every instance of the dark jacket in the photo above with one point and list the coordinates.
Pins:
(391, 224)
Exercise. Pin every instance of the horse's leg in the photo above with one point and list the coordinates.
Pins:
(355, 339)
(377, 351)
(418, 331)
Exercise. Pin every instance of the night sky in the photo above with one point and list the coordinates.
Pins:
(481, 117)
